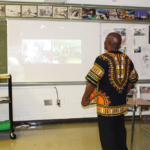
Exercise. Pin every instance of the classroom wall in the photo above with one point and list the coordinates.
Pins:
(139, 3)
(28, 102)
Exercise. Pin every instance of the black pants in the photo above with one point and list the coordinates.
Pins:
(112, 132)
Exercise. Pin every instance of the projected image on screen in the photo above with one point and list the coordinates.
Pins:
(66, 51)
(51, 51)
(36, 51)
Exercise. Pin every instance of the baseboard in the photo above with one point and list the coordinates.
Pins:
(63, 121)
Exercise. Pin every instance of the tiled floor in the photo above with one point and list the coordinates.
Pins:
(79, 136)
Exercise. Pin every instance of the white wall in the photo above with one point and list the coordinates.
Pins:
(139, 3)
(28, 102)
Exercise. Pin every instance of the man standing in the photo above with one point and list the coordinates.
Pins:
(113, 74)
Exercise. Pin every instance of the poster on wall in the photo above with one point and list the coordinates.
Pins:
(128, 14)
(148, 15)
(115, 14)
(135, 43)
(29, 11)
(74, 13)
(102, 14)
(13, 10)
(89, 13)
(2, 10)
(59, 12)
(140, 15)
(45, 11)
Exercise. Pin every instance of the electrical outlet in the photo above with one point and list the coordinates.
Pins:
(58, 102)
(47, 102)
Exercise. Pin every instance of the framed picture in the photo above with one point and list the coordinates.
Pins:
(115, 14)
(12, 10)
(102, 14)
(89, 13)
(140, 15)
(2, 10)
(128, 14)
(59, 12)
(148, 15)
(74, 13)
(45, 11)
(29, 11)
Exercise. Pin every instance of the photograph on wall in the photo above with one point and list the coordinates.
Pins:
(74, 13)
(102, 14)
(140, 35)
(140, 15)
(67, 51)
(145, 94)
(2, 10)
(128, 14)
(60, 12)
(137, 49)
(36, 51)
(148, 15)
(115, 14)
(12, 10)
(29, 11)
(122, 32)
(145, 61)
(139, 31)
(45, 11)
(88, 13)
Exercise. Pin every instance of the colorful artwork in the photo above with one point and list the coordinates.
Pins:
(128, 14)
(148, 15)
(102, 14)
(115, 14)
(88, 13)
(140, 15)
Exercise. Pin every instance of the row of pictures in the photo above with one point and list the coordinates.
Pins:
(74, 13)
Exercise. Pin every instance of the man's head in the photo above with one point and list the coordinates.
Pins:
(113, 41)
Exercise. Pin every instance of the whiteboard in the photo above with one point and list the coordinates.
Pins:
(135, 43)
(51, 51)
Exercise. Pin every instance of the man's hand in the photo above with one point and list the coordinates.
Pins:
(85, 102)
(88, 90)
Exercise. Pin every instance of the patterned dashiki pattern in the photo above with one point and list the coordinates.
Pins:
(120, 71)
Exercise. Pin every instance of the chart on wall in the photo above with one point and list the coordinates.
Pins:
(135, 43)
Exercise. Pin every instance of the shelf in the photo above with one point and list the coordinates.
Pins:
(6, 131)
(5, 100)
(4, 76)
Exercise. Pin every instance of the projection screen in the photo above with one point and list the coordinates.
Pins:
(51, 51)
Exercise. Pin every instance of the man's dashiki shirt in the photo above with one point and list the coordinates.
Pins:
(111, 74)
